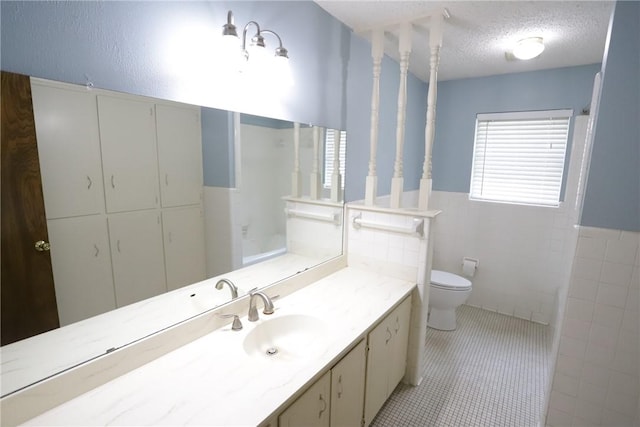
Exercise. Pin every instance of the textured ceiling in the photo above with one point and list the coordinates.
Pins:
(478, 33)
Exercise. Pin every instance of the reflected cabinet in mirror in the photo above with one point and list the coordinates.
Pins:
(148, 204)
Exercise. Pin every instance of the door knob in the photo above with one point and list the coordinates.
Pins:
(42, 246)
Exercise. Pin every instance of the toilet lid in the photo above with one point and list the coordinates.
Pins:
(448, 280)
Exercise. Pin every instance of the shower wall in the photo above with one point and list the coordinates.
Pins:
(266, 165)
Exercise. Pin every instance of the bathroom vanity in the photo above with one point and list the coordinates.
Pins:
(331, 337)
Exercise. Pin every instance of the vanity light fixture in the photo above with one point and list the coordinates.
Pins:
(528, 48)
(257, 46)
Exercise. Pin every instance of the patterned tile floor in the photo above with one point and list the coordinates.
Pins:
(491, 371)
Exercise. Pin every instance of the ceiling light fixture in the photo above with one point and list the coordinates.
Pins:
(528, 48)
(257, 46)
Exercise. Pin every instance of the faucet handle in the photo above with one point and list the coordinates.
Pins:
(237, 324)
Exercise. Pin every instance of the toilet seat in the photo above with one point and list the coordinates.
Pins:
(449, 281)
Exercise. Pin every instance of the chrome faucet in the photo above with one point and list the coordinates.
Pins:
(253, 311)
(232, 287)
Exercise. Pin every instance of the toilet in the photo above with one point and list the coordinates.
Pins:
(446, 292)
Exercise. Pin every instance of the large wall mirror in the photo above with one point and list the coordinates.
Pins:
(167, 199)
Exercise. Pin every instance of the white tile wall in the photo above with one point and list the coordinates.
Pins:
(597, 373)
(524, 252)
(406, 256)
(387, 252)
(223, 235)
(312, 237)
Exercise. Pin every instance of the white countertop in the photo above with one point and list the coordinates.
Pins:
(212, 381)
(32, 359)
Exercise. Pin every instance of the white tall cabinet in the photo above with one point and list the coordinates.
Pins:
(129, 156)
(179, 155)
(81, 251)
(69, 151)
(122, 183)
(137, 255)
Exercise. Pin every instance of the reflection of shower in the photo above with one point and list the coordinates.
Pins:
(254, 251)
(265, 173)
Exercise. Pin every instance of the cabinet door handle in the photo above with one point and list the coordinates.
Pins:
(397, 325)
(323, 406)
(166, 179)
(390, 335)
(113, 183)
(97, 251)
(118, 245)
(89, 182)
(340, 386)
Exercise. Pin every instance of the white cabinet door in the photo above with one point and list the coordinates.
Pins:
(184, 246)
(312, 409)
(129, 155)
(69, 151)
(81, 267)
(399, 324)
(179, 154)
(138, 256)
(378, 360)
(347, 388)
(386, 359)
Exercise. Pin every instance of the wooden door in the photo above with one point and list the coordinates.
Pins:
(28, 295)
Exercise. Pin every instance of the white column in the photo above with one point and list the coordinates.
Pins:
(377, 51)
(397, 182)
(315, 180)
(296, 177)
(435, 43)
(420, 308)
(336, 177)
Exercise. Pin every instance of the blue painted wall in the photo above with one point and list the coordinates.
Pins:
(460, 100)
(612, 198)
(167, 49)
(218, 148)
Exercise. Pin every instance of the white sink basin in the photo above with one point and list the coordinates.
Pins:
(287, 337)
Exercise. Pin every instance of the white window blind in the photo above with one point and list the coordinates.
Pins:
(329, 155)
(519, 157)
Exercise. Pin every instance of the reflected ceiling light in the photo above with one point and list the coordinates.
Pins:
(528, 48)
(257, 46)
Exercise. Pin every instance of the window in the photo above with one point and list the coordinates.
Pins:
(519, 157)
(329, 153)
